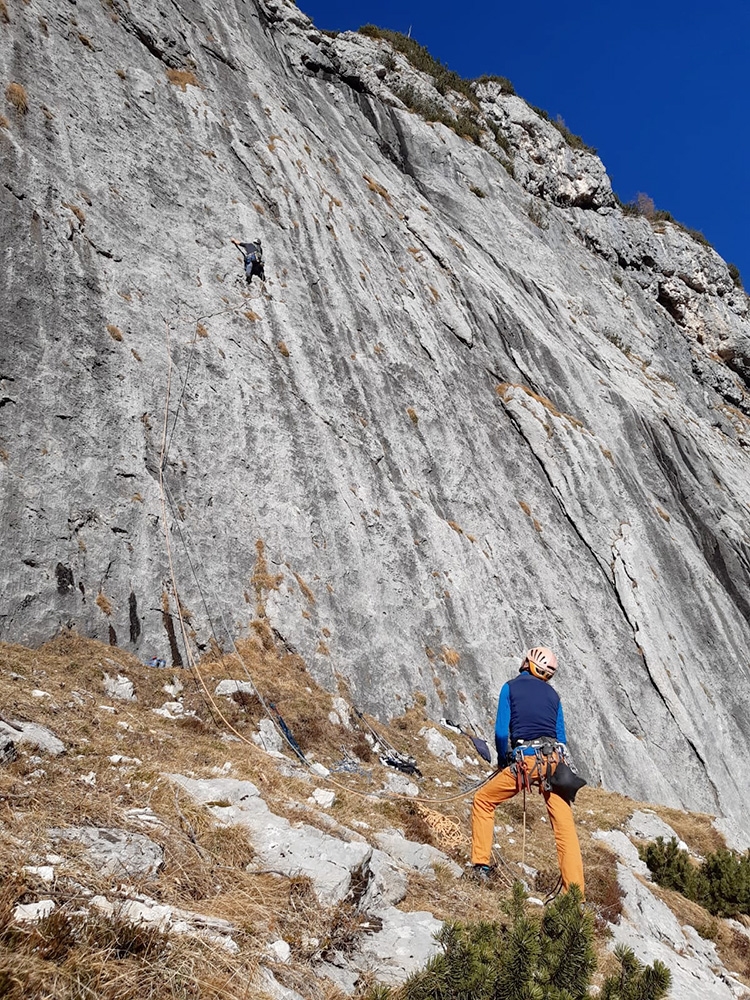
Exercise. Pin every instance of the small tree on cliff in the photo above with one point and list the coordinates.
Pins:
(547, 958)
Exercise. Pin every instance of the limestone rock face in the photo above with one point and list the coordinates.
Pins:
(468, 411)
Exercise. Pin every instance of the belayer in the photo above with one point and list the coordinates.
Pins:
(253, 253)
(531, 741)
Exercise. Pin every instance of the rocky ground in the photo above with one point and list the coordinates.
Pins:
(159, 837)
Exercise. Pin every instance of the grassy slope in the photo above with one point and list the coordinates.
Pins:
(204, 868)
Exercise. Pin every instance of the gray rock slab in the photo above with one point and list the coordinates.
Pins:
(32, 735)
(650, 928)
(113, 851)
(419, 857)
(271, 987)
(291, 849)
(227, 688)
(404, 945)
(624, 848)
(120, 687)
(646, 825)
(441, 746)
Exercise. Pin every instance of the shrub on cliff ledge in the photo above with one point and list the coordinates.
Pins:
(549, 957)
(422, 60)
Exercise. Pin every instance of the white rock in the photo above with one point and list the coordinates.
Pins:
(404, 945)
(36, 693)
(297, 849)
(419, 857)
(227, 688)
(323, 797)
(399, 784)
(624, 848)
(120, 687)
(319, 769)
(88, 779)
(280, 950)
(31, 734)
(341, 709)
(114, 852)
(646, 825)
(650, 928)
(175, 689)
(45, 872)
(31, 912)
(441, 746)
(268, 737)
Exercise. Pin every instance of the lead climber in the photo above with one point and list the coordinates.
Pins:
(253, 253)
(530, 737)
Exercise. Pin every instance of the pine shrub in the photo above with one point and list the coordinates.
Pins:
(721, 883)
(547, 957)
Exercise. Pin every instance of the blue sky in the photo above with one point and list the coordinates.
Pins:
(661, 89)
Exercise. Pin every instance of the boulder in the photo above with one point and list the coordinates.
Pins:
(114, 852)
(32, 735)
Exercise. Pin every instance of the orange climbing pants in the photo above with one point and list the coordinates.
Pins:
(499, 788)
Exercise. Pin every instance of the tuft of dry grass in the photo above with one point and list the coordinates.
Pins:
(114, 331)
(78, 212)
(16, 95)
(283, 349)
(4, 123)
(252, 316)
(456, 527)
(200, 330)
(412, 413)
(378, 188)
(182, 78)
(104, 603)
(450, 656)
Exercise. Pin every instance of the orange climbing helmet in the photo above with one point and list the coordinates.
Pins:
(541, 662)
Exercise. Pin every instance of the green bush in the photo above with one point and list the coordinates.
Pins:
(734, 274)
(545, 957)
(671, 866)
(463, 125)
(721, 883)
(504, 82)
(422, 60)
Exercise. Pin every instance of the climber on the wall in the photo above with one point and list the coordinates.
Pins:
(253, 253)
(530, 738)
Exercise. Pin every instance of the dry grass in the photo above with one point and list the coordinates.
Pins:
(412, 413)
(455, 527)
(373, 185)
(114, 331)
(104, 603)
(4, 123)
(205, 865)
(182, 78)
(505, 391)
(252, 316)
(78, 212)
(450, 656)
(201, 330)
(15, 94)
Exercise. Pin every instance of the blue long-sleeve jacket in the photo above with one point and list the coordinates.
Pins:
(528, 708)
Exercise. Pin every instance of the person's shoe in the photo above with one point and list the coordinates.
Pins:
(481, 873)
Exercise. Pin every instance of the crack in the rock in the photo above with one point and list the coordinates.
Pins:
(617, 555)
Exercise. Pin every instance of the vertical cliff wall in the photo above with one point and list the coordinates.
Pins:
(474, 406)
